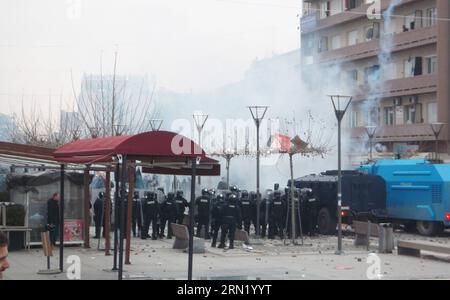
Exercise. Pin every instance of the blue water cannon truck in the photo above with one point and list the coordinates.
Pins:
(417, 193)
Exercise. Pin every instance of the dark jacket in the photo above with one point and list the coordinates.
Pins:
(53, 212)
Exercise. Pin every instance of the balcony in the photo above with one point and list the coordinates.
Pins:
(397, 133)
(401, 41)
(400, 87)
(311, 22)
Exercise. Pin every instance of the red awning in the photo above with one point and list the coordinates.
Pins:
(161, 152)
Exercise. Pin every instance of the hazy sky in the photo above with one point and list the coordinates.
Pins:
(187, 45)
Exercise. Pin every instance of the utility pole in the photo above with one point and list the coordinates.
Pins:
(200, 120)
(258, 113)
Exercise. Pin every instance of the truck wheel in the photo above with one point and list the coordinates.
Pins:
(326, 223)
(429, 228)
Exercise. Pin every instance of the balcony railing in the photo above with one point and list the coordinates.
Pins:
(397, 133)
(343, 17)
(400, 87)
(401, 41)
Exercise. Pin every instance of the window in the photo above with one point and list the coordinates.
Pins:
(354, 119)
(353, 75)
(351, 4)
(432, 112)
(372, 73)
(431, 64)
(413, 67)
(352, 38)
(323, 44)
(418, 19)
(411, 115)
(431, 16)
(325, 7)
(372, 32)
(336, 42)
(389, 115)
(409, 22)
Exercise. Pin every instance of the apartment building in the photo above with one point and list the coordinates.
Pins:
(399, 65)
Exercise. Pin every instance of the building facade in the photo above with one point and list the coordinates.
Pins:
(396, 60)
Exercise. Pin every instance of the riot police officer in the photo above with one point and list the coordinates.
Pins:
(136, 215)
(277, 215)
(230, 217)
(246, 211)
(98, 214)
(150, 210)
(168, 214)
(264, 212)
(216, 217)
(181, 205)
(203, 204)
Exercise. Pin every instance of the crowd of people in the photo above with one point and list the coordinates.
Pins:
(222, 212)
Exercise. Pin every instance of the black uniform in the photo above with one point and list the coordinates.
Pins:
(136, 215)
(53, 220)
(203, 204)
(181, 205)
(230, 217)
(247, 211)
(99, 205)
(150, 211)
(264, 213)
(168, 214)
(216, 217)
(277, 216)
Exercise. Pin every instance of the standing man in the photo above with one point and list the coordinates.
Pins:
(98, 214)
(216, 216)
(4, 264)
(203, 204)
(230, 218)
(136, 214)
(181, 205)
(53, 218)
(246, 211)
(150, 210)
(168, 214)
(277, 214)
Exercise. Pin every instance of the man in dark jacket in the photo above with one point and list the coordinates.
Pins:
(150, 210)
(53, 218)
(168, 215)
(230, 217)
(203, 204)
(216, 217)
(98, 214)
(136, 214)
(277, 216)
(181, 205)
(246, 211)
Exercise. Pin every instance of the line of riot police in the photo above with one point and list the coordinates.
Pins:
(223, 212)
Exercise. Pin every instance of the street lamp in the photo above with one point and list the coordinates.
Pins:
(436, 128)
(200, 120)
(371, 130)
(258, 113)
(340, 105)
(155, 124)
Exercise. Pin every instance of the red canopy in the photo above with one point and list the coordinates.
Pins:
(160, 152)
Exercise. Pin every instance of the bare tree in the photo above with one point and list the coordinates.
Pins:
(108, 106)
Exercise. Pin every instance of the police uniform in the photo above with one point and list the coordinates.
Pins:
(181, 205)
(203, 204)
(246, 211)
(98, 214)
(216, 217)
(150, 210)
(277, 216)
(168, 214)
(230, 217)
(136, 215)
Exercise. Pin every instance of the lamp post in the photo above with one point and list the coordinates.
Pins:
(200, 120)
(340, 105)
(436, 128)
(155, 124)
(371, 130)
(258, 113)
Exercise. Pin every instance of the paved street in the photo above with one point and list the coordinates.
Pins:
(271, 260)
